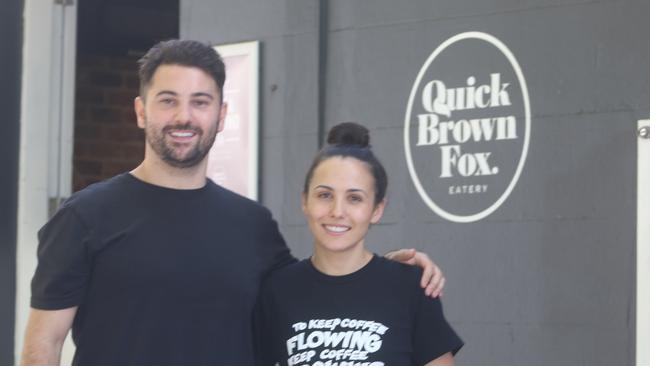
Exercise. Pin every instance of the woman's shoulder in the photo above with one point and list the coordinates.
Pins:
(397, 271)
(388, 276)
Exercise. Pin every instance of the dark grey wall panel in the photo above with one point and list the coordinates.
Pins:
(537, 274)
(11, 30)
(603, 39)
(371, 13)
(548, 278)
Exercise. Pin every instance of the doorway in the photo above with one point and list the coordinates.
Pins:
(112, 35)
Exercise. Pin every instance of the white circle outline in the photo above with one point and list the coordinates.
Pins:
(407, 124)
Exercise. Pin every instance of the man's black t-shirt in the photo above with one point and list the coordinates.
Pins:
(160, 276)
(375, 316)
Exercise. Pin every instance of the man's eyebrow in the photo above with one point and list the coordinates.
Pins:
(194, 95)
(203, 94)
(324, 186)
(163, 92)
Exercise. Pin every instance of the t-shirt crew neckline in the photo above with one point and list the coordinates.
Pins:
(156, 189)
(343, 278)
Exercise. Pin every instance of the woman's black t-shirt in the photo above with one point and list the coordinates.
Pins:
(375, 316)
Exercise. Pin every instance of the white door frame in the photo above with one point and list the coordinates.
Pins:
(643, 247)
(47, 110)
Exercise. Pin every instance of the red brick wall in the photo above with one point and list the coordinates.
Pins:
(107, 140)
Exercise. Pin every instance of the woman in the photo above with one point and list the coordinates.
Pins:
(345, 305)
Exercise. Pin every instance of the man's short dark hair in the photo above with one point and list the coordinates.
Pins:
(183, 53)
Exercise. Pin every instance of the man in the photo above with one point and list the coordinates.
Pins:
(160, 266)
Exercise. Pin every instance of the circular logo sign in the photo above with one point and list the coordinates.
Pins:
(467, 127)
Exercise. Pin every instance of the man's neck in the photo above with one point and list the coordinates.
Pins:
(159, 173)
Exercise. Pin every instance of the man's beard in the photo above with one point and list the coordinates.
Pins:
(168, 153)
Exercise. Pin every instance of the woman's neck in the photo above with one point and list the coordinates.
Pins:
(340, 263)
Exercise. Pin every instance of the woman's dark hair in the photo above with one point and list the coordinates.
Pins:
(349, 139)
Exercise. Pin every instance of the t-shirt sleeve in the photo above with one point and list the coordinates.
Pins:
(274, 245)
(63, 262)
(433, 336)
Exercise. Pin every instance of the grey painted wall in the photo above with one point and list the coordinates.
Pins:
(547, 279)
(10, 43)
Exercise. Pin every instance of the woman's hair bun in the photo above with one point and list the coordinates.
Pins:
(349, 133)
